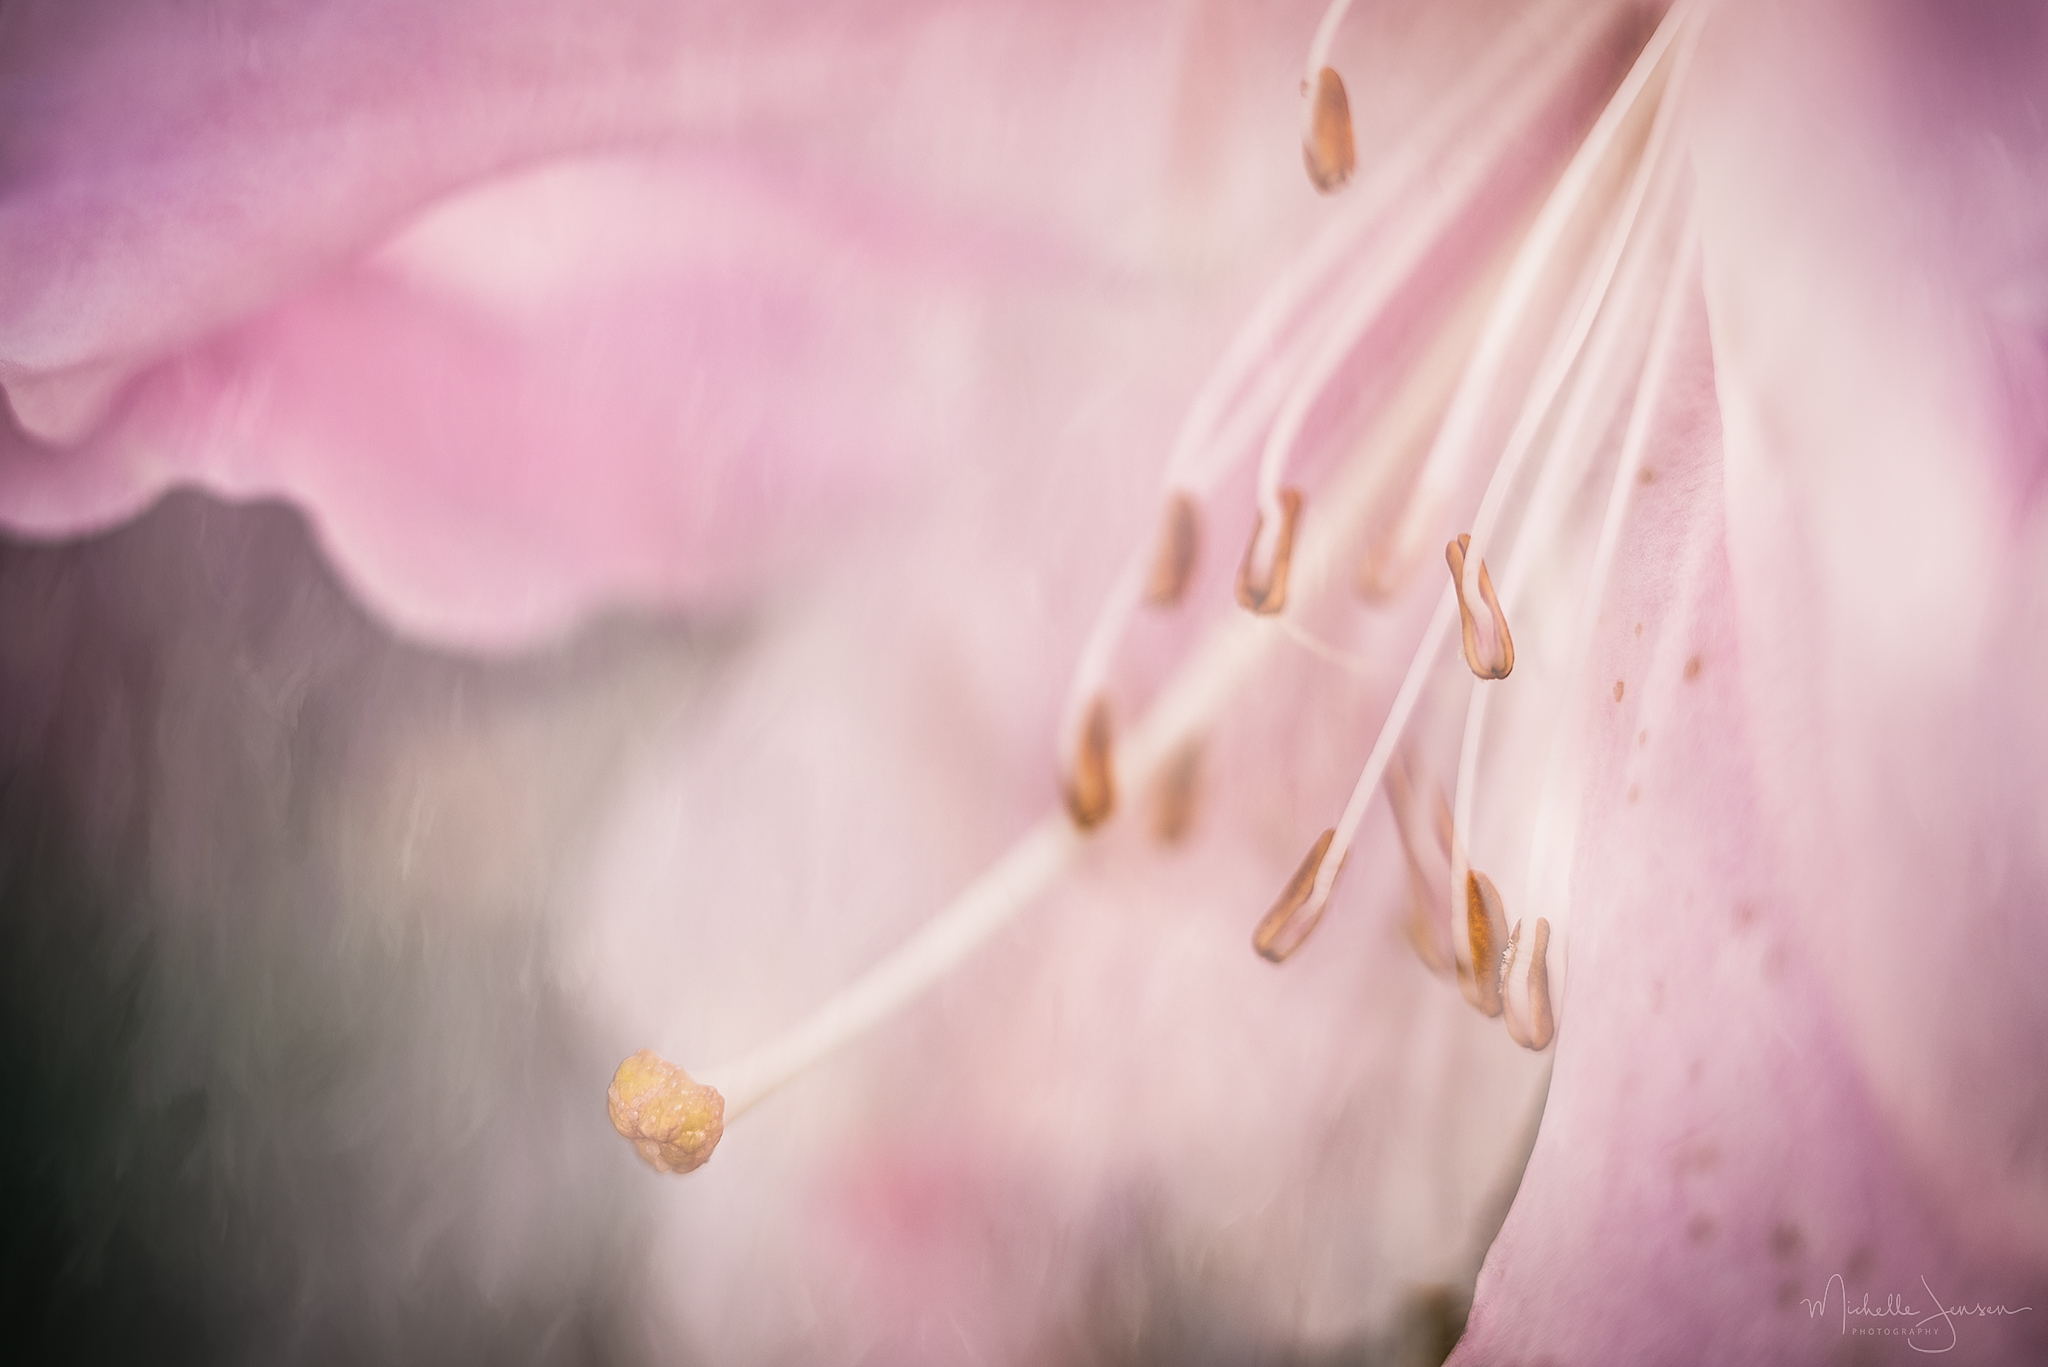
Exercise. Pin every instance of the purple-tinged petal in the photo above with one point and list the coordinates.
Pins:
(1879, 344)
(1712, 1156)
(832, 243)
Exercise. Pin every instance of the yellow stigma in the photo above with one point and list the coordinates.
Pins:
(673, 1121)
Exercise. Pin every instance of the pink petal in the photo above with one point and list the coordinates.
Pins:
(1888, 551)
(1805, 1032)
(660, 377)
(1712, 1153)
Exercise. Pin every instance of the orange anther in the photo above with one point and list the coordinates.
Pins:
(1267, 594)
(1500, 662)
(1279, 934)
(1328, 151)
(1091, 781)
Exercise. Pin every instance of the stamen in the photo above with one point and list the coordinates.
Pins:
(1651, 168)
(1091, 784)
(1327, 149)
(1570, 452)
(672, 1121)
(1326, 145)
(1283, 929)
(1497, 659)
(1265, 593)
(1541, 1026)
(1486, 932)
(1174, 792)
(1542, 1020)
(1451, 602)
(1174, 562)
(1444, 468)
(1531, 64)
(1453, 184)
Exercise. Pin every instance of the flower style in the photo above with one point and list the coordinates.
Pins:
(1705, 344)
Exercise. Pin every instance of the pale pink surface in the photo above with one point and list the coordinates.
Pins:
(654, 377)
(900, 333)
(1805, 1034)
(1714, 1148)
(1116, 1102)
(1887, 543)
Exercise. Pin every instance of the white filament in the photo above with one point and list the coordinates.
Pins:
(1557, 812)
(1514, 63)
(1560, 474)
(1319, 46)
(1447, 458)
(1454, 182)
(1213, 675)
(1237, 647)
(1548, 382)
(1531, 62)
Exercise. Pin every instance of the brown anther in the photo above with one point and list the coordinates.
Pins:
(1277, 935)
(1327, 151)
(673, 1122)
(1486, 931)
(1504, 663)
(1173, 564)
(1542, 1021)
(1542, 1025)
(1268, 596)
(1091, 780)
(1174, 792)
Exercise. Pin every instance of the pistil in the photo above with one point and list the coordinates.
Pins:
(1278, 369)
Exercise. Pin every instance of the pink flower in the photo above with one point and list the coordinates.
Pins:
(1719, 332)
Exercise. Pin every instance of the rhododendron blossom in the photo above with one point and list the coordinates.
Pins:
(1301, 623)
